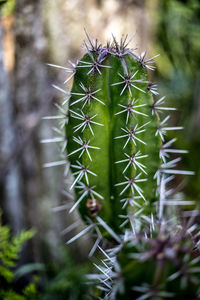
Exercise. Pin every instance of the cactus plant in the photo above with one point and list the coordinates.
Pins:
(115, 126)
(115, 133)
(112, 145)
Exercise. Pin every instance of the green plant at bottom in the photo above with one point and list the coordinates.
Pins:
(64, 277)
(10, 248)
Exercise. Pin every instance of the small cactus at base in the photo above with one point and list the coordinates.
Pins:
(159, 265)
(122, 176)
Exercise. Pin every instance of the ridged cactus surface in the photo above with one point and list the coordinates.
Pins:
(113, 147)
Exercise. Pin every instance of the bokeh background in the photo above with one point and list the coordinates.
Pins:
(34, 33)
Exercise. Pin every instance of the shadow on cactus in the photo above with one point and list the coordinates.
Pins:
(123, 177)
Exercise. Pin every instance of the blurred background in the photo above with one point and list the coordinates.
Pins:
(34, 33)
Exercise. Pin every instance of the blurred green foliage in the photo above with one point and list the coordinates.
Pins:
(63, 278)
(7, 7)
(10, 248)
(178, 42)
(57, 279)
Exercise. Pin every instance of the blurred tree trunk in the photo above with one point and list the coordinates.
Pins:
(31, 101)
(9, 181)
(25, 98)
(28, 192)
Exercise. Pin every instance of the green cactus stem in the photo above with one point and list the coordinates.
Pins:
(123, 174)
(113, 145)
